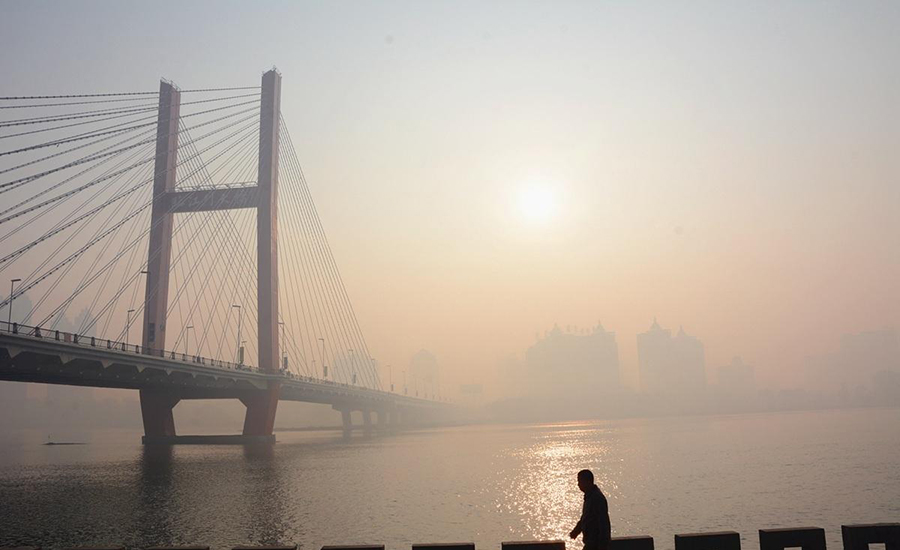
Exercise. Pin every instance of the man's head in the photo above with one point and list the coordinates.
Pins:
(585, 480)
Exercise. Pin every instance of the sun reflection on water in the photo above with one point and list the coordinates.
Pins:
(544, 491)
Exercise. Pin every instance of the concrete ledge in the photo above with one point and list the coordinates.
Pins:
(209, 440)
(534, 545)
(860, 536)
(276, 547)
(356, 547)
(631, 543)
(94, 548)
(179, 548)
(445, 546)
(20, 548)
(808, 538)
(720, 540)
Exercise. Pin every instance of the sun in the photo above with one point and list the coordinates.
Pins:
(537, 203)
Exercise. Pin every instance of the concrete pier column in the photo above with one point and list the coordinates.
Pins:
(346, 420)
(267, 224)
(156, 412)
(159, 252)
(392, 420)
(259, 420)
(367, 420)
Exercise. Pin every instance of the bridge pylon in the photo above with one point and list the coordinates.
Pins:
(157, 405)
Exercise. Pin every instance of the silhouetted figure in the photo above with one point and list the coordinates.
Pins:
(594, 522)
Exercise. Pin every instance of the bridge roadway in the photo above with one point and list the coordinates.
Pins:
(52, 357)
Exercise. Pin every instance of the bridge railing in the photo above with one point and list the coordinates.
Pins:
(73, 338)
(19, 329)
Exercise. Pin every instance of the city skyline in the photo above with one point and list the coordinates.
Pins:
(622, 163)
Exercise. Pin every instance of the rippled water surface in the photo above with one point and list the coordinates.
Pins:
(483, 483)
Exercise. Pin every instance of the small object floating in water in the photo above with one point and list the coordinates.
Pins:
(61, 442)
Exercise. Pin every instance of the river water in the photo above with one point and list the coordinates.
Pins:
(485, 484)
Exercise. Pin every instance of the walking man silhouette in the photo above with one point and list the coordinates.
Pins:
(594, 523)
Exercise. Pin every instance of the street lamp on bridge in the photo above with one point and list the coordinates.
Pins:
(322, 358)
(240, 318)
(143, 328)
(281, 347)
(352, 366)
(187, 336)
(12, 297)
(128, 326)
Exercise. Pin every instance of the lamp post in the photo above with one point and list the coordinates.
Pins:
(12, 283)
(281, 344)
(240, 317)
(144, 329)
(404, 382)
(391, 378)
(322, 359)
(128, 326)
(187, 336)
(352, 366)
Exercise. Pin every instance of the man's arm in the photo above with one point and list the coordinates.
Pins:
(576, 531)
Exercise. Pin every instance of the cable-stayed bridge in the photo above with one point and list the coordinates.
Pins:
(139, 233)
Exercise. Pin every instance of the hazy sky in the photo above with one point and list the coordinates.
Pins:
(485, 170)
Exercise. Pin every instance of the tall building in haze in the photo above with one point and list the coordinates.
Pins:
(670, 364)
(856, 362)
(573, 364)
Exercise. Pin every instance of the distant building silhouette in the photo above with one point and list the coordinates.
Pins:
(856, 362)
(573, 363)
(670, 365)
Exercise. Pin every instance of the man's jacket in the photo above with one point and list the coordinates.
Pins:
(594, 522)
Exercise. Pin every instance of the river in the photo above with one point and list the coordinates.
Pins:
(485, 484)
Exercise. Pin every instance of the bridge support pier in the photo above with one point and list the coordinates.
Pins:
(346, 421)
(367, 421)
(156, 411)
(259, 421)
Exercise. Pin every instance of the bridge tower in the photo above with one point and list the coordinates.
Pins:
(157, 405)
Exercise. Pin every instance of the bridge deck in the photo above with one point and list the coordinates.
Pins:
(60, 358)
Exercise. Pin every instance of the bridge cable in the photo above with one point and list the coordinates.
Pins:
(84, 186)
(27, 286)
(317, 287)
(117, 128)
(216, 233)
(73, 235)
(178, 261)
(335, 274)
(209, 214)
